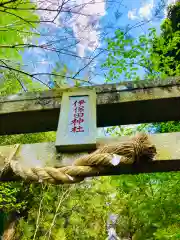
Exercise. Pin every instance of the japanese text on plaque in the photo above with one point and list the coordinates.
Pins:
(78, 115)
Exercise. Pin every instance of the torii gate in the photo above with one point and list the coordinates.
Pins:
(75, 113)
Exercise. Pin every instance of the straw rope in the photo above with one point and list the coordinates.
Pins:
(136, 150)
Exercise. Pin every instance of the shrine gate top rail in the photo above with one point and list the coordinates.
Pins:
(117, 104)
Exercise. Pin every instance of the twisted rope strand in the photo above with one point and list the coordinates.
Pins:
(136, 150)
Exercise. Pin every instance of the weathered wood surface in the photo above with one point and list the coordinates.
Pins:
(44, 154)
(125, 103)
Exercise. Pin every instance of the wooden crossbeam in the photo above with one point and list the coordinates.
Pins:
(117, 104)
(44, 154)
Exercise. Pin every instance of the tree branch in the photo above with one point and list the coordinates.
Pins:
(7, 2)
(15, 77)
(25, 73)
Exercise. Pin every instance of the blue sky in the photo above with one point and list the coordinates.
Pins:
(119, 14)
(106, 17)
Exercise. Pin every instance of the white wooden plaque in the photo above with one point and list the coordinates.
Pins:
(77, 122)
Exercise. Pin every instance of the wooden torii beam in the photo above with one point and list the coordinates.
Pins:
(116, 104)
(45, 154)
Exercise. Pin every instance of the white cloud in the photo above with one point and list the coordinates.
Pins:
(171, 2)
(132, 14)
(84, 20)
(144, 12)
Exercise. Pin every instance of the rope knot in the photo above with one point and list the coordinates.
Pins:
(144, 150)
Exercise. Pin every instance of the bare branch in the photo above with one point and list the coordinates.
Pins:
(24, 73)
(60, 75)
(85, 66)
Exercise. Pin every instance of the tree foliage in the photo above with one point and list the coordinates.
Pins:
(157, 55)
(173, 14)
(128, 57)
(76, 210)
(15, 27)
(170, 39)
(16, 30)
(148, 205)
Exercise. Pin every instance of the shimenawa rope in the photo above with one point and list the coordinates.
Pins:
(136, 150)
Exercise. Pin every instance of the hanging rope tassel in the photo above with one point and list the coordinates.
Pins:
(137, 150)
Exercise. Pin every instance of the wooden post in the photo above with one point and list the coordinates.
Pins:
(77, 122)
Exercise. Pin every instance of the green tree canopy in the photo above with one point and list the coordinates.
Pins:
(17, 29)
(167, 45)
